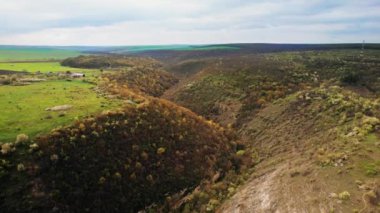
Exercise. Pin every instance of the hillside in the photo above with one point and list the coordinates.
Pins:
(321, 146)
(313, 117)
(108, 61)
(196, 106)
(123, 159)
(235, 133)
(228, 89)
(145, 80)
(141, 75)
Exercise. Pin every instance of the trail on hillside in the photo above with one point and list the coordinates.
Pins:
(255, 195)
(290, 136)
(275, 191)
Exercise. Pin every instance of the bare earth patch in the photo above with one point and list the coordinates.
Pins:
(59, 108)
(290, 178)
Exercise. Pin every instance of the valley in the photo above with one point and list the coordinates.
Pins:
(214, 128)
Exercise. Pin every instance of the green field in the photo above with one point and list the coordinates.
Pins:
(10, 53)
(23, 107)
(45, 53)
(43, 67)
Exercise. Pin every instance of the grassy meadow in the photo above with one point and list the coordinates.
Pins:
(23, 107)
(43, 67)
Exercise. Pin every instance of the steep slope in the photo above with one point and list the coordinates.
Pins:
(301, 139)
(320, 152)
(140, 75)
(122, 160)
(141, 79)
(126, 159)
(230, 89)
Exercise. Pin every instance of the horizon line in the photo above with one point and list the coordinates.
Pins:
(179, 44)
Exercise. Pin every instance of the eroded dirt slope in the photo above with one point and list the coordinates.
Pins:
(320, 153)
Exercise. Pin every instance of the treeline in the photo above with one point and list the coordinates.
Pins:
(108, 61)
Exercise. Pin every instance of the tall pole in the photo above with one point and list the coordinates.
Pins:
(363, 45)
(362, 50)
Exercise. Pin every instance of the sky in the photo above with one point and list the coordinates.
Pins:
(153, 22)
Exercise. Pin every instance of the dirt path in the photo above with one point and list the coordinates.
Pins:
(280, 189)
(288, 179)
(255, 195)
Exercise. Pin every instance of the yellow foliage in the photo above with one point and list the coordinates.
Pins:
(161, 150)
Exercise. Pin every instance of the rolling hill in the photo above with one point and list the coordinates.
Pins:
(212, 130)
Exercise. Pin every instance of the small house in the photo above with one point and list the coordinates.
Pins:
(77, 75)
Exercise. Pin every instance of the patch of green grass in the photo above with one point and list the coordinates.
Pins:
(372, 138)
(43, 67)
(23, 107)
(9, 53)
(371, 168)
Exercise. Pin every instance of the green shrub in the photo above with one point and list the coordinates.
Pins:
(350, 77)
(344, 195)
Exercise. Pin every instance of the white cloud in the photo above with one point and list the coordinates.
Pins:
(129, 22)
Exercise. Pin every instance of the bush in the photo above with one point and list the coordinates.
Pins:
(350, 77)
(344, 195)
(5, 81)
(21, 138)
(6, 148)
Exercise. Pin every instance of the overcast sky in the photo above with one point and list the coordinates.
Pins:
(135, 22)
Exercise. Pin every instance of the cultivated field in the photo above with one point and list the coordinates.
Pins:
(14, 53)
